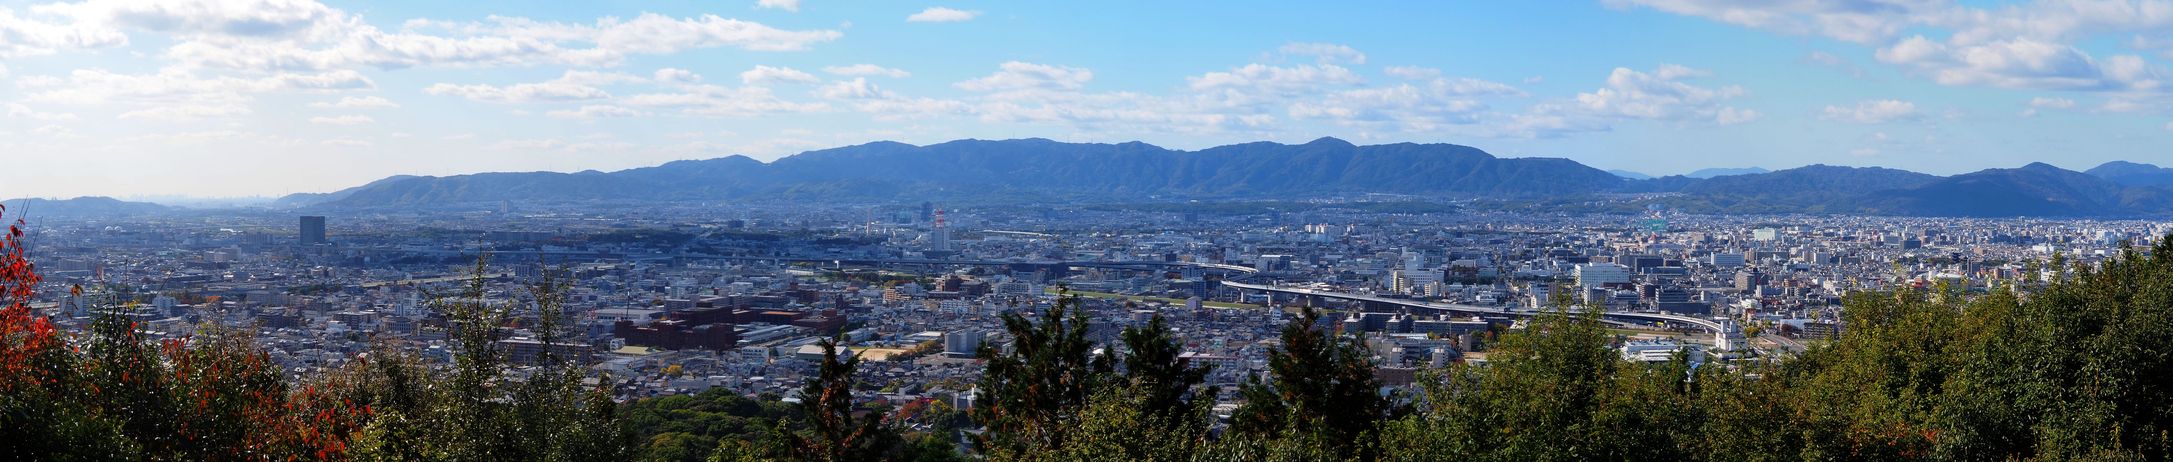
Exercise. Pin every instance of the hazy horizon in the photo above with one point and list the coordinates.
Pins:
(248, 98)
(186, 200)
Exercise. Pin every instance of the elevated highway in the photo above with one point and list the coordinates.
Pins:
(863, 261)
(1707, 324)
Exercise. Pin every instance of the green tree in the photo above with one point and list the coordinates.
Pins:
(1031, 397)
(834, 434)
(1154, 362)
(1323, 389)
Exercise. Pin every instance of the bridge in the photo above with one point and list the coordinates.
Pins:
(1707, 324)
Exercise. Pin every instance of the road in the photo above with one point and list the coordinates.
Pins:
(1708, 324)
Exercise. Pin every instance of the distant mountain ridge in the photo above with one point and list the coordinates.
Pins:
(1032, 169)
(1029, 167)
(86, 206)
(1705, 173)
(2133, 174)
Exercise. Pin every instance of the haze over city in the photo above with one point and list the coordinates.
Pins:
(244, 98)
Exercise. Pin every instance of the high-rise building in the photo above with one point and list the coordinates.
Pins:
(928, 211)
(312, 230)
(940, 235)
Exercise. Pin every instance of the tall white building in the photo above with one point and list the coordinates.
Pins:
(939, 237)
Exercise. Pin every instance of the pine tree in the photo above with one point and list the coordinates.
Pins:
(834, 434)
(1323, 388)
(1154, 361)
(1030, 397)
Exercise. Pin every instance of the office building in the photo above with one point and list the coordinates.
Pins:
(1601, 274)
(312, 230)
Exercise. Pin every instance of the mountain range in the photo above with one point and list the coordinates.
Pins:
(1020, 168)
(89, 206)
(1040, 169)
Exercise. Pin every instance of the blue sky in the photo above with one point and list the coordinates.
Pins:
(266, 97)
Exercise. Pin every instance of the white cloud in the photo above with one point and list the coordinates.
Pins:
(892, 107)
(241, 18)
(1412, 72)
(553, 144)
(857, 88)
(1659, 95)
(1865, 21)
(714, 100)
(941, 14)
(866, 70)
(1421, 107)
(2055, 103)
(347, 143)
(769, 74)
(19, 111)
(341, 40)
(787, 5)
(1327, 53)
(1120, 111)
(675, 75)
(24, 37)
(2021, 63)
(1017, 76)
(1264, 78)
(572, 86)
(2047, 103)
(539, 144)
(1550, 120)
(356, 102)
(55, 131)
(594, 111)
(187, 111)
(2030, 45)
(1873, 112)
(1838, 63)
(1732, 116)
(86, 86)
(866, 97)
(1410, 107)
(2169, 126)
(342, 120)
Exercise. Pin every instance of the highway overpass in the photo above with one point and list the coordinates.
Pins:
(1707, 324)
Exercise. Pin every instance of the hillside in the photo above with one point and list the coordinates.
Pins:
(1045, 170)
(1032, 167)
(2133, 174)
(88, 206)
(2036, 189)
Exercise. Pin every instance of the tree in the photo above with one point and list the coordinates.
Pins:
(1323, 388)
(834, 434)
(1154, 413)
(477, 410)
(1030, 397)
(1154, 362)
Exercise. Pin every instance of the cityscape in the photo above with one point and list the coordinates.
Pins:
(1004, 268)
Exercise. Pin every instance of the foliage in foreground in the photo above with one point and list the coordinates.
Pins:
(113, 393)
